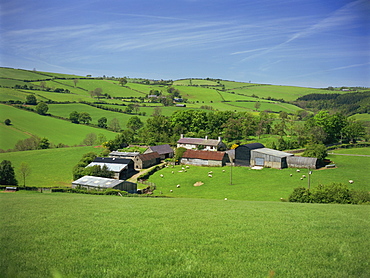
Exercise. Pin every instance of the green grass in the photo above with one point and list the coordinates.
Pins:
(361, 117)
(12, 94)
(258, 185)
(57, 131)
(73, 235)
(12, 136)
(49, 168)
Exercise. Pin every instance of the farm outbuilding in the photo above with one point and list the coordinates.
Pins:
(122, 168)
(164, 151)
(128, 155)
(204, 143)
(243, 153)
(146, 160)
(302, 162)
(204, 158)
(90, 182)
(270, 158)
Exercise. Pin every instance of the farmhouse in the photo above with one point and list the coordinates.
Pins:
(164, 151)
(302, 162)
(204, 158)
(122, 168)
(243, 153)
(201, 143)
(146, 160)
(90, 182)
(270, 158)
(128, 155)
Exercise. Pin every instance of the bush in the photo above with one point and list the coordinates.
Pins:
(300, 195)
(336, 193)
(359, 197)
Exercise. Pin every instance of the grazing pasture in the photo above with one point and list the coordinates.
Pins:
(57, 131)
(74, 235)
(257, 185)
(49, 168)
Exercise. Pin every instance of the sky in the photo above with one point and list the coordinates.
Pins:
(310, 43)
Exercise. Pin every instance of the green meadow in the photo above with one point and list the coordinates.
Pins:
(76, 235)
(242, 183)
(50, 167)
(57, 131)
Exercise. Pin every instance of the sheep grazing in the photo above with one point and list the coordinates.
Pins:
(291, 175)
(171, 190)
(210, 172)
(161, 176)
(182, 168)
(298, 170)
(209, 175)
(225, 199)
(172, 172)
(178, 186)
(223, 171)
(180, 171)
(187, 167)
(303, 176)
(350, 181)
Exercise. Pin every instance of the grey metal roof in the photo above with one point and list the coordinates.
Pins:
(97, 182)
(114, 167)
(199, 141)
(231, 154)
(272, 152)
(127, 154)
(162, 149)
(253, 146)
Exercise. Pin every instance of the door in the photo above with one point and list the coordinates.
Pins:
(259, 161)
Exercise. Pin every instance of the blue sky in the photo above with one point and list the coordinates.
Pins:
(311, 43)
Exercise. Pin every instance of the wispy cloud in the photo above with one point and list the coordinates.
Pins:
(335, 69)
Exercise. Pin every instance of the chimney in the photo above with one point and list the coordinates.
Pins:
(206, 137)
(182, 136)
(219, 139)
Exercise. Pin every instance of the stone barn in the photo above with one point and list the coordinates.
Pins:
(270, 158)
(90, 182)
(164, 151)
(146, 160)
(204, 158)
(243, 153)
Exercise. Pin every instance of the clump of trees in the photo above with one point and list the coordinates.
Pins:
(335, 193)
(83, 117)
(7, 174)
(80, 170)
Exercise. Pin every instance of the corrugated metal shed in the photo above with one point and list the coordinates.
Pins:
(123, 154)
(272, 152)
(92, 181)
(114, 167)
(302, 162)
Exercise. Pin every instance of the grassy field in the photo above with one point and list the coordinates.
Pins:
(257, 185)
(57, 131)
(73, 235)
(49, 168)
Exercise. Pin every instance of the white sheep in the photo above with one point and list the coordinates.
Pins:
(161, 176)
(350, 181)
(210, 172)
(209, 175)
(178, 186)
(291, 175)
(225, 199)
(172, 172)
(180, 171)
(223, 171)
(182, 168)
(303, 176)
(298, 170)
(187, 166)
(171, 190)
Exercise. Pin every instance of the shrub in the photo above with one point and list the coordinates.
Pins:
(300, 195)
(359, 197)
(334, 193)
